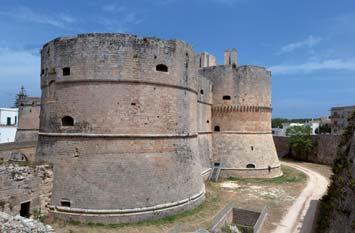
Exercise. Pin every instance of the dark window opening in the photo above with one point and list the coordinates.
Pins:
(217, 164)
(133, 104)
(66, 71)
(207, 121)
(15, 120)
(8, 121)
(161, 68)
(155, 56)
(252, 148)
(25, 209)
(67, 121)
(226, 97)
(250, 165)
(201, 92)
(65, 203)
(269, 168)
(42, 71)
(217, 129)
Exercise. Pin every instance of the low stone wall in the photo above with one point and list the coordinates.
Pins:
(230, 215)
(26, 135)
(25, 188)
(18, 150)
(324, 152)
(281, 144)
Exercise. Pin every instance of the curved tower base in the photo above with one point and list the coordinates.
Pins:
(247, 155)
(128, 215)
(251, 173)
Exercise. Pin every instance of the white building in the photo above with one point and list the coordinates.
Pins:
(282, 132)
(8, 124)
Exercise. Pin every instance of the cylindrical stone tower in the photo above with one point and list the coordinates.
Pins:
(119, 124)
(28, 122)
(242, 141)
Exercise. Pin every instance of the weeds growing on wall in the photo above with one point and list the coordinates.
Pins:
(300, 140)
(341, 182)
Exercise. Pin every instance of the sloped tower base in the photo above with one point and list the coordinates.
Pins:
(247, 155)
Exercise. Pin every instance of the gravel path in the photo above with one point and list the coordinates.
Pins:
(300, 217)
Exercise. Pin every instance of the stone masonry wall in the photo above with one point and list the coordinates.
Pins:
(134, 141)
(241, 120)
(28, 123)
(204, 118)
(324, 151)
(18, 151)
(23, 183)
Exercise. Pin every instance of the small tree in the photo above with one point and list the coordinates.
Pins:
(323, 129)
(300, 140)
(21, 95)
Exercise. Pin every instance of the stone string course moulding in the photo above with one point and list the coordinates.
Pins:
(128, 124)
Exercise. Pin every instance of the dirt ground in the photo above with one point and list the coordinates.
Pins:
(276, 194)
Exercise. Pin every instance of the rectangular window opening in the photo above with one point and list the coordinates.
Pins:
(25, 209)
(65, 203)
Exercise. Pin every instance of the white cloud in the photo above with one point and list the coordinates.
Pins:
(119, 22)
(309, 42)
(18, 67)
(113, 7)
(28, 15)
(335, 64)
(18, 63)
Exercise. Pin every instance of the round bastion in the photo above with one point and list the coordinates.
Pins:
(119, 123)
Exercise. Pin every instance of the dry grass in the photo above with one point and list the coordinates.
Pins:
(277, 194)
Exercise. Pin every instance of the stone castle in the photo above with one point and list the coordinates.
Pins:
(134, 125)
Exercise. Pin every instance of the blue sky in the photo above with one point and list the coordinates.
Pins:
(308, 45)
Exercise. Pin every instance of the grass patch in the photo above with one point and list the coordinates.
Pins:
(290, 175)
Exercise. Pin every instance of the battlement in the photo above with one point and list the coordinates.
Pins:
(128, 38)
(30, 101)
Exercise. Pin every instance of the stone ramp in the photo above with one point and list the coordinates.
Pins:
(214, 174)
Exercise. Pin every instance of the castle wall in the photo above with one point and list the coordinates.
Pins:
(204, 108)
(18, 151)
(324, 149)
(241, 116)
(133, 146)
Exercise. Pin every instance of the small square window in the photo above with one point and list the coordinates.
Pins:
(66, 71)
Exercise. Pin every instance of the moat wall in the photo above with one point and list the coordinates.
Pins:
(324, 151)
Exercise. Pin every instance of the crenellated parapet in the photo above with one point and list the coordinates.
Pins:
(239, 108)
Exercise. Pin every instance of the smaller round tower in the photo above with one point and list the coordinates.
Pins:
(241, 120)
(28, 122)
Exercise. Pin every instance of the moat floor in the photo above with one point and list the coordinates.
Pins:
(278, 194)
